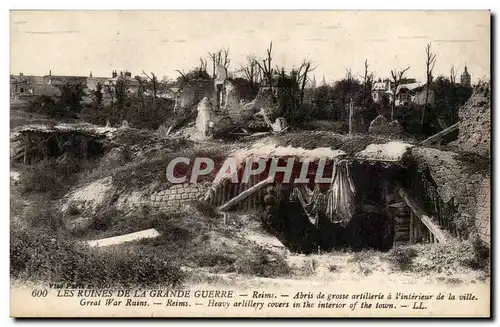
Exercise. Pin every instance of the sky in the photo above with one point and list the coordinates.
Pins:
(77, 42)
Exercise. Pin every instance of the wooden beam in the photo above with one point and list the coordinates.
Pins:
(169, 129)
(426, 220)
(438, 136)
(442, 123)
(243, 195)
(396, 205)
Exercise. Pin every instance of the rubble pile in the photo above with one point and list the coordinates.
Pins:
(381, 126)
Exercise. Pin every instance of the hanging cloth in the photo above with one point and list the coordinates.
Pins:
(310, 201)
(340, 196)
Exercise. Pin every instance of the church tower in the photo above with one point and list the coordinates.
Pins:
(313, 82)
(465, 78)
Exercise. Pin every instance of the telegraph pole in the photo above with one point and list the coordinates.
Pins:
(351, 116)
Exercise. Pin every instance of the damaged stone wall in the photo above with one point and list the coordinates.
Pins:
(475, 123)
(193, 92)
(459, 185)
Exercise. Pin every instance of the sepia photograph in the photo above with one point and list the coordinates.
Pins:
(250, 163)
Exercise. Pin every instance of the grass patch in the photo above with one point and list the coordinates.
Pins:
(365, 256)
(198, 236)
(36, 256)
(45, 219)
(262, 263)
(141, 174)
(402, 257)
(452, 257)
(53, 178)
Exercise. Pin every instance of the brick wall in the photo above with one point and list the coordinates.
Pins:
(178, 194)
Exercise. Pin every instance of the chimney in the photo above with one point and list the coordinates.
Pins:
(121, 74)
(90, 75)
(21, 74)
(113, 74)
(50, 72)
(387, 84)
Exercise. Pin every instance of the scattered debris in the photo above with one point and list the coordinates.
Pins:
(124, 124)
(381, 126)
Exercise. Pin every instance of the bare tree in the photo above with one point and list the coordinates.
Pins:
(110, 91)
(397, 76)
(266, 68)
(367, 83)
(430, 62)
(224, 59)
(203, 65)
(367, 78)
(251, 69)
(349, 76)
(140, 92)
(453, 74)
(219, 58)
(213, 56)
(120, 95)
(304, 69)
(153, 79)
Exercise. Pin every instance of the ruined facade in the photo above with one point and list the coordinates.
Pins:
(192, 92)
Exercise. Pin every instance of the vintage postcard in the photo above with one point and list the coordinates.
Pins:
(250, 163)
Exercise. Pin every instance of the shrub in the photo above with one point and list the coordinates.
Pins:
(145, 112)
(103, 218)
(478, 255)
(46, 105)
(50, 177)
(45, 218)
(206, 209)
(449, 258)
(262, 263)
(212, 257)
(37, 256)
(402, 258)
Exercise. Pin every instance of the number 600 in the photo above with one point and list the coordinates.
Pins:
(39, 293)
